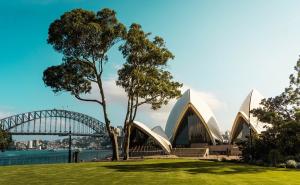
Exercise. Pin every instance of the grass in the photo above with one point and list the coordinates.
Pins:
(160, 171)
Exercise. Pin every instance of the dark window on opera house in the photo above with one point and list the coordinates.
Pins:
(141, 141)
(191, 132)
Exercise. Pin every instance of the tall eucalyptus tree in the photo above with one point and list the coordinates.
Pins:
(84, 39)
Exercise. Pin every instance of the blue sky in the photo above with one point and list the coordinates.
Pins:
(222, 50)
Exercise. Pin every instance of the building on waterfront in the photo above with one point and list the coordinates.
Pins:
(244, 120)
(191, 123)
(30, 144)
(21, 145)
(35, 143)
(120, 130)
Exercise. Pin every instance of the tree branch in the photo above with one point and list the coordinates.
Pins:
(127, 114)
(101, 66)
(136, 107)
(147, 100)
(92, 80)
(131, 107)
(88, 100)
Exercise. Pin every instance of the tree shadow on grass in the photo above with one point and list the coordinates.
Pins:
(192, 167)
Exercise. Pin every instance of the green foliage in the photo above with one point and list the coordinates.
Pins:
(144, 76)
(82, 34)
(84, 38)
(70, 76)
(281, 165)
(5, 139)
(297, 157)
(282, 137)
(256, 151)
(274, 157)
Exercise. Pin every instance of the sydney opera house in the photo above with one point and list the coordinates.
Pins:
(192, 125)
(244, 120)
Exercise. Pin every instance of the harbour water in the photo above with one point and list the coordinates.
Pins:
(48, 156)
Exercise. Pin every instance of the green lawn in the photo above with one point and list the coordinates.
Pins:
(160, 171)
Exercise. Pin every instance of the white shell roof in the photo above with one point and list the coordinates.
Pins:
(252, 101)
(164, 143)
(189, 99)
(160, 132)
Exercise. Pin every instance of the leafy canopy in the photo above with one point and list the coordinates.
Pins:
(5, 139)
(143, 75)
(282, 113)
(83, 38)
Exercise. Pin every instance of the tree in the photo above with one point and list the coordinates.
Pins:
(143, 76)
(5, 139)
(84, 38)
(282, 113)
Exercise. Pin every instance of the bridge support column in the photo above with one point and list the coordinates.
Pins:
(70, 149)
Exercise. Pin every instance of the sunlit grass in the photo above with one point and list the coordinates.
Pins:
(160, 171)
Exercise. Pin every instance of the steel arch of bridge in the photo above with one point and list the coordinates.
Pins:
(14, 121)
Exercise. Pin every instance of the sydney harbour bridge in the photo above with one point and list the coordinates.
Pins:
(53, 122)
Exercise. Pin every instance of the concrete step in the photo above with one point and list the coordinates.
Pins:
(190, 152)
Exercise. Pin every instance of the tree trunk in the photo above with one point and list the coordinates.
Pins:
(127, 142)
(115, 146)
(111, 130)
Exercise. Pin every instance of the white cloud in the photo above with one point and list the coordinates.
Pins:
(113, 93)
(155, 117)
(116, 95)
(4, 114)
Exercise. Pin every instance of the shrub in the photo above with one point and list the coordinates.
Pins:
(252, 162)
(223, 159)
(274, 157)
(290, 157)
(259, 163)
(236, 161)
(297, 157)
(291, 164)
(298, 165)
(281, 165)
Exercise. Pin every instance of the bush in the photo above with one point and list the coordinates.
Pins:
(281, 165)
(259, 163)
(290, 157)
(236, 161)
(298, 165)
(291, 164)
(274, 157)
(297, 157)
(223, 159)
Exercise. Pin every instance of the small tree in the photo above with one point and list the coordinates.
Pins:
(283, 115)
(5, 139)
(84, 38)
(144, 77)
